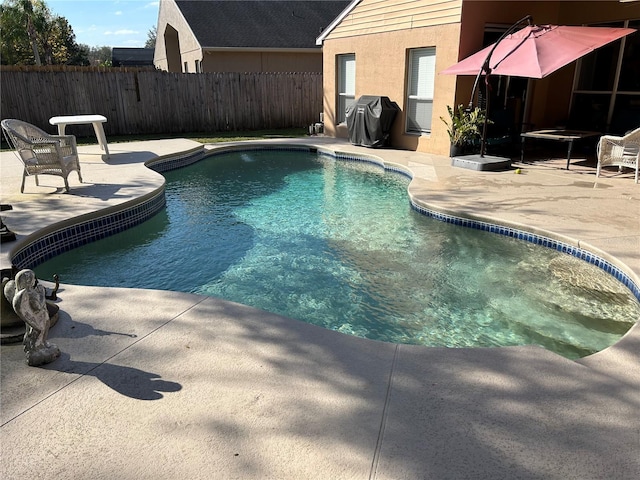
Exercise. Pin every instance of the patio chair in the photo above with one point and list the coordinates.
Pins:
(41, 153)
(623, 152)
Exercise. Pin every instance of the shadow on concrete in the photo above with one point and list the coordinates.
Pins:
(100, 191)
(127, 157)
(69, 328)
(128, 381)
(416, 412)
(517, 412)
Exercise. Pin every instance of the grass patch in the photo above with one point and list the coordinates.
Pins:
(202, 137)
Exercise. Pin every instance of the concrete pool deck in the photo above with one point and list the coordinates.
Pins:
(156, 384)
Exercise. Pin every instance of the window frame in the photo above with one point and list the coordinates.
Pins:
(344, 98)
(609, 96)
(413, 95)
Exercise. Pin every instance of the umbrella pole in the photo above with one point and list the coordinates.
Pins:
(483, 141)
(485, 65)
(486, 69)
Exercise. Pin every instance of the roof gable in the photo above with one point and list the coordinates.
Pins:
(366, 17)
(259, 23)
(336, 21)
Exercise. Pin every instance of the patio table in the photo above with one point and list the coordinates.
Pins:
(95, 120)
(567, 136)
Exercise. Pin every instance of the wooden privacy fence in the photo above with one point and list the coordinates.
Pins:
(157, 102)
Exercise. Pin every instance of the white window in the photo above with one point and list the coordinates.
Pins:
(346, 85)
(422, 72)
(198, 66)
(186, 67)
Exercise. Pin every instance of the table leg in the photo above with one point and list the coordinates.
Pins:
(102, 139)
(61, 128)
(569, 152)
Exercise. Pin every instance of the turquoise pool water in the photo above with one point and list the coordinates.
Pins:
(336, 244)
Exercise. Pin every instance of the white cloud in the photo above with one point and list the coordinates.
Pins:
(119, 12)
(91, 28)
(121, 32)
(152, 4)
(131, 43)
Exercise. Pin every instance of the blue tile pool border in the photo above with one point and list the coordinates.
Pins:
(72, 236)
(78, 234)
(166, 164)
(541, 240)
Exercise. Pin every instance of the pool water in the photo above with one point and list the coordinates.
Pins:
(336, 244)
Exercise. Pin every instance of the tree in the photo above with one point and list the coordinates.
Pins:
(30, 18)
(80, 55)
(59, 44)
(151, 37)
(99, 56)
(16, 46)
(32, 35)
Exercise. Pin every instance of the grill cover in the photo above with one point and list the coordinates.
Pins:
(369, 120)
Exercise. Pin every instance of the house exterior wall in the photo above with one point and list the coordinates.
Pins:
(381, 38)
(380, 33)
(376, 16)
(170, 19)
(239, 61)
(170, 16)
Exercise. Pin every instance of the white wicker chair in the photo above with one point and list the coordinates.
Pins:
(619, 151)
(41, 153)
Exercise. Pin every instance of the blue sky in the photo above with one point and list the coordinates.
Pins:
(110, 23)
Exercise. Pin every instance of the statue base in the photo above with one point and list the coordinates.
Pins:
(42, 355)
(13, 331)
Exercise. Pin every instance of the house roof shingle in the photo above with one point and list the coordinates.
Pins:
(260, 23)
(126, 57)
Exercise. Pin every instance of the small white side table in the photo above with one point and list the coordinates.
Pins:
(95, 120)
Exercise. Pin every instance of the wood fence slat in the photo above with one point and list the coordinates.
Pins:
(148, 101)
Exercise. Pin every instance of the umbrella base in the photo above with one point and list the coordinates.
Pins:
(480, 163)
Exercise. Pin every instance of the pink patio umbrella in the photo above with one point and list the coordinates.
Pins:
(534, 51)
(537, 50)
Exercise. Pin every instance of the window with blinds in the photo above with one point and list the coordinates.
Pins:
(422, 69)
(346, 85)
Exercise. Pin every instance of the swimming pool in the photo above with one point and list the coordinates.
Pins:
(336, 244)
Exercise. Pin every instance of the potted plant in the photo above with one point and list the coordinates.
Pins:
(464, 128)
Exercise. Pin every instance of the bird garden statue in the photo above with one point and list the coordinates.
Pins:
(29, 302)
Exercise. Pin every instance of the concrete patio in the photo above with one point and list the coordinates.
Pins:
(157, 384)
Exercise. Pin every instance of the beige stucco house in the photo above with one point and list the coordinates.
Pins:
(242, 35)
(397, 49)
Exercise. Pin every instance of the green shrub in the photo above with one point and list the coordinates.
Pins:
(465, 125)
